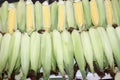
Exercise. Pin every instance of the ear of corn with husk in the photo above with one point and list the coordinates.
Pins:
(30, 20)
(87, 49)
(106, 46)
(79, 16)
(101, 11)
(54, 15)
(116, 11)
(12, 18)
(46, 16)
(70, 14)
(114, 42)
(24, 53)
(109, 12)
(38, 15)
(34, 51)
(68, 57)
(61, 15)
(58, 50)
(4, 51)
(87, 14)
(14, 51)
(97, 47)
(94, 12)
(4, 16)
(21, 15)
(78, 52)
(46, 54)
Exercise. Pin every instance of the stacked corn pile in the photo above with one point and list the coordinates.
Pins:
(47, 36)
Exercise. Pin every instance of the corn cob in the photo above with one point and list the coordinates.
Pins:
(70, 14)
(118, 32)
(78, 52)
(58, 51)
(79, 16)
(94, 12)
(68, 57)
(38, 15)
(61, 15)
(24, 53)
(116, 11)
(109, 12)
(114, 42)
(30, 22)
(21, 15)
(4, 51)
(53, 63)
(12, 23)
(46, 16)
(13, 55)
(87, 13)
(97, 47)
(87, 49)
(4, 16)
(46, 54)
(54, 15)
(34, 51)
(101, 11)
(106, 46)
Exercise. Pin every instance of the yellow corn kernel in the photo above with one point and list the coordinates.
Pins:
(30, 17)
(46, 16)
(109, 12)
(94, 12)
(61, 16)
(11, 19)
(79, 13)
